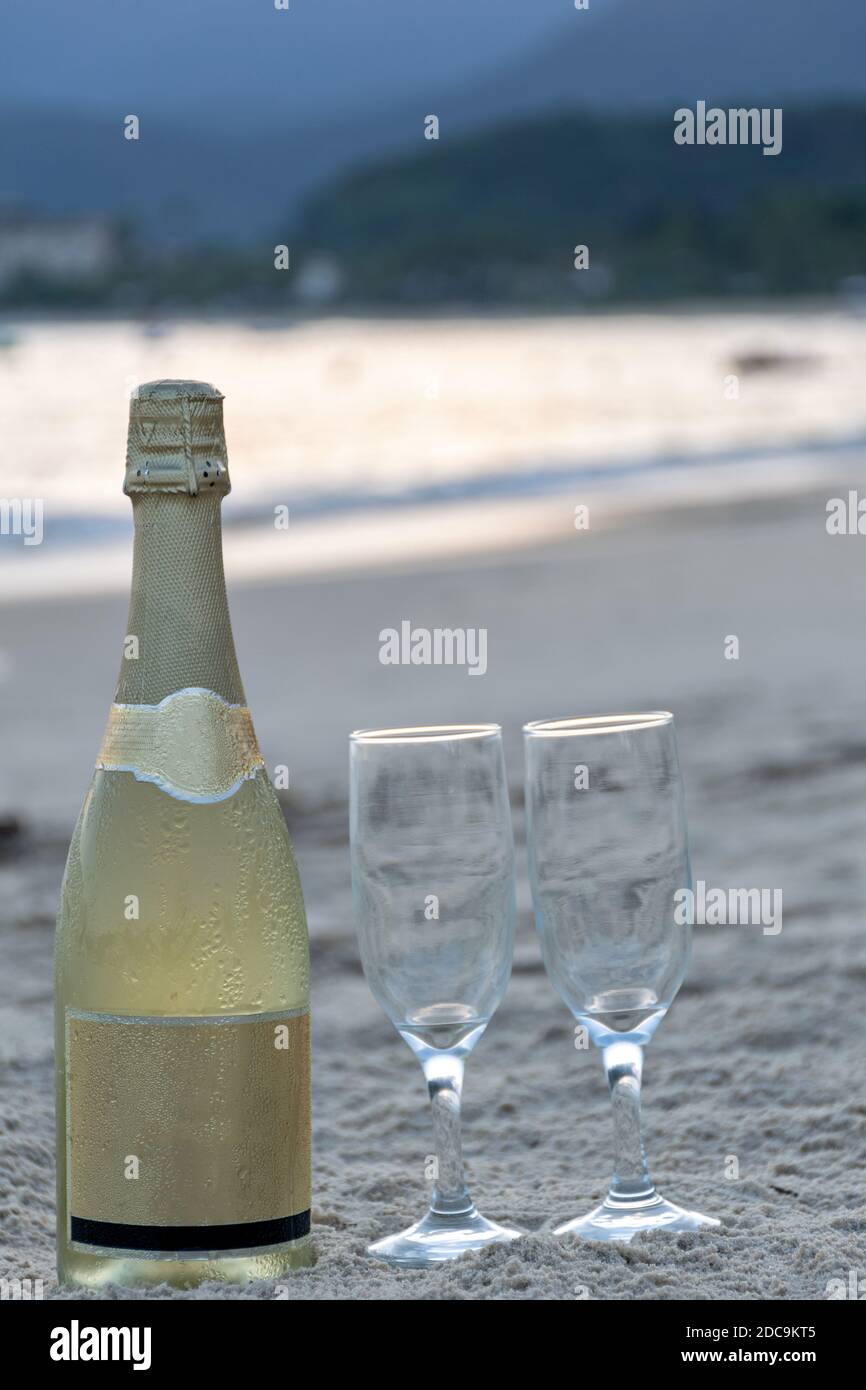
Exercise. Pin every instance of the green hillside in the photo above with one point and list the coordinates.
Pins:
(495, 217)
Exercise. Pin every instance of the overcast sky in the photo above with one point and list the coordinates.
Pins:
(319, 58)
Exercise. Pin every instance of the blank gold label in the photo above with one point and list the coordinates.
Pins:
(180, 1123)
(193, 745)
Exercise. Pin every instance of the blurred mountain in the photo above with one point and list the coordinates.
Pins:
(495, 216)
(661, 220)
(245, 109)
(177, 184)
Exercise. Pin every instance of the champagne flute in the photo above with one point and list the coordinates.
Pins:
(608, 851)
(433, 886)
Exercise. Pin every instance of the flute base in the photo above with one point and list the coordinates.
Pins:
(622, 1221)
(439, 1237)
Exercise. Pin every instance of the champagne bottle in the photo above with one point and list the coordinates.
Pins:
(182, 975)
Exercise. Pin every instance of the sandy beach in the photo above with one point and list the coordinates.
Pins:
(760, 1058)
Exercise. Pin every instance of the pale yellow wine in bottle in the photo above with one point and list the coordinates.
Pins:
(182, 974)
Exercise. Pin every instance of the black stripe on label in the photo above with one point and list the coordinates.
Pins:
(241, 1235)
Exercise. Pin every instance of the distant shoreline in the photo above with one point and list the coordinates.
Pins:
(540, 479)
(776, 306)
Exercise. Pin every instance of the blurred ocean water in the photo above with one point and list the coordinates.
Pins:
(351, 416)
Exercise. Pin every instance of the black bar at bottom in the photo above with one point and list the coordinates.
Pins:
(241, 1235)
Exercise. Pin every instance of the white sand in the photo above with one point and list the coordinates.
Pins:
(761, 1057)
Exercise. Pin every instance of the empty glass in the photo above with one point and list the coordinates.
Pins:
(433, 887)
(608, 850)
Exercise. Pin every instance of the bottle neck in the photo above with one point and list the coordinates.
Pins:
(178, 633)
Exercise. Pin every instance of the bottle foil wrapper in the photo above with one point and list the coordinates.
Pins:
(176, 440)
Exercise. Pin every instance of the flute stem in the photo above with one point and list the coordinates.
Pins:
(631, 1182)
(444, 1075)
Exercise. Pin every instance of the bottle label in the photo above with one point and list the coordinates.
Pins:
(194, 745)
(187, 1137)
